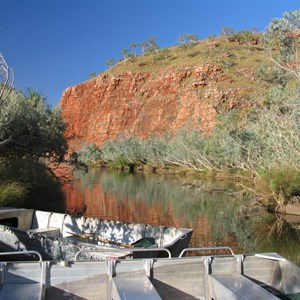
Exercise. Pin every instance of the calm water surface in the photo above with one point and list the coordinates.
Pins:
(219, 213)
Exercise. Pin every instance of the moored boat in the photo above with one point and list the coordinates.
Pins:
(243, 276)
(59, 236)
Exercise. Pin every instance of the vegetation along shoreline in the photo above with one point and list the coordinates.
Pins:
(254, 139)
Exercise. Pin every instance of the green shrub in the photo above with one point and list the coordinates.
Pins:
(120, 161)
(28, 184)
(90, 154)
(12, 194)
(281, 182)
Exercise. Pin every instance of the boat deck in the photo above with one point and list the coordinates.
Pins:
(266, 276)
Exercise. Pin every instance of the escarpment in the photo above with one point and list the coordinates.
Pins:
(149, 104)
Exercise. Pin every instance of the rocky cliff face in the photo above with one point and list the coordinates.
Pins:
(144, 104)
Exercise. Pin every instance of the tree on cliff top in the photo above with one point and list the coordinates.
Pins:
(285, 34)
(188, 39)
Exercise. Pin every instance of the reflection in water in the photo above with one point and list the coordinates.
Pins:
(279, 234)
(208, 207)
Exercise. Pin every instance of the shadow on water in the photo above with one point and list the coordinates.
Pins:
(211, 208)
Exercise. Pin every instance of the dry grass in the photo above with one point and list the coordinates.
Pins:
(233, 58)
(198, 53)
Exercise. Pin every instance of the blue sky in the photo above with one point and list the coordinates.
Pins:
(53, 44)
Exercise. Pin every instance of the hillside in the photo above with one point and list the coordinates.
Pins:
(163, 92)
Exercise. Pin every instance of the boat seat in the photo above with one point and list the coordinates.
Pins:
(29, 291)
(134, 289)
(237, 286)
(40, 219)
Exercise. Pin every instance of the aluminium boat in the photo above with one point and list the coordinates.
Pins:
(58, 236)
(264, 276)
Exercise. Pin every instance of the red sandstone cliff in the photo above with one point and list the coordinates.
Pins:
(145, 104)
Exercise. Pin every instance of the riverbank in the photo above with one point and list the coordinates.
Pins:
(275, 191)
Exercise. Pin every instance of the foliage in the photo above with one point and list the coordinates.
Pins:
(123, 150)
(110, 62)
(227, 31)
(93, 75)
(188, 39)
(164, 53)
(12, 194)
(272, 74)
(32, 146)
(133, 47)
(284, 34)
(30, 129)
(151, 45)
(266, 139)
(279, 131)
(279, 183)
(274, 95)
(29, 184)
(229, 144)
(246, 37)
(90, 154)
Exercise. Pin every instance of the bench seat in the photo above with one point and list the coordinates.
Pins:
(134, 289)
(237, 286)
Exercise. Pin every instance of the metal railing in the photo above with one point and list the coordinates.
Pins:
(124, 251)
(22, 253)
(206, 249)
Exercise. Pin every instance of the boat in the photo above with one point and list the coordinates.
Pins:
(58, 236)
(211, 276)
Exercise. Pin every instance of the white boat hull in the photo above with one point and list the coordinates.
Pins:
(60, 236)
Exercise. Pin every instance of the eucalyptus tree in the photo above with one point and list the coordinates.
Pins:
(149, 46)
(143, 46)
(227, 31)
(188, 39)
(127, 55)
(133, 47)
(284, 34)
(152, 47)
(110, 62)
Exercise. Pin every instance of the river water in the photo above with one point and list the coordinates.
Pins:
(219, 212)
